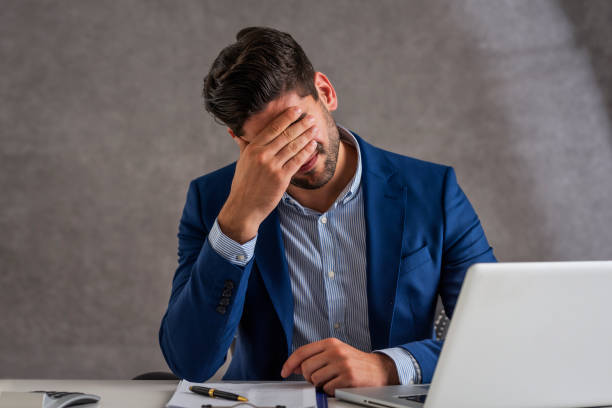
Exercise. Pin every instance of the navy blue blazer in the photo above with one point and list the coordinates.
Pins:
(421, 233)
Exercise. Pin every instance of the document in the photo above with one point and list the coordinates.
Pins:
(291, 394)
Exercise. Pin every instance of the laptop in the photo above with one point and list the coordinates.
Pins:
(522, 335)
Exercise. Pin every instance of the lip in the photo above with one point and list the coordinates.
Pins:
(309, 164)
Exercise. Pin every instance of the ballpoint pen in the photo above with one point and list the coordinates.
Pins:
(215, 393)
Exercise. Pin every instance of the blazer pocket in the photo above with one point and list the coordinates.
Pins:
(414, 297)
(415, 259)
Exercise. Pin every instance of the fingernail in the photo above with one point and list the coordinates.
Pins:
(315, 129)
(310, 119)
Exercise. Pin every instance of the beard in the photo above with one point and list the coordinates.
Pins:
(331, 158)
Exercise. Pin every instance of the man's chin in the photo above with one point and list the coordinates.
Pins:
(305, 182)
(309, 181)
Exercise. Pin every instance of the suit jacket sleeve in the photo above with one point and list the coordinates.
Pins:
(206, 302)
(464, 244)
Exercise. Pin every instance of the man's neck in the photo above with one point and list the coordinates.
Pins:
(322, 198)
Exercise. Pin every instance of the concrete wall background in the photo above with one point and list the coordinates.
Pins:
(102, 128)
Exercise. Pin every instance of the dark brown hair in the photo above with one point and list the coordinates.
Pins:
(261, 65)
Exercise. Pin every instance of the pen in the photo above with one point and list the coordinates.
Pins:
(214, 393)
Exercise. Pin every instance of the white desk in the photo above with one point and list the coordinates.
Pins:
(117, 393)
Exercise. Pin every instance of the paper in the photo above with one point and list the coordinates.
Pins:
(292, 394)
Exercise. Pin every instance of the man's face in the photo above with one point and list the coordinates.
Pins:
(328, 138)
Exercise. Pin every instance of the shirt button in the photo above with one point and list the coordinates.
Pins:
(323, 220)
(240, 257)
(336, 326)
(331, 274)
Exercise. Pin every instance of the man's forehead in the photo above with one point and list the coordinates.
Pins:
(257, 122)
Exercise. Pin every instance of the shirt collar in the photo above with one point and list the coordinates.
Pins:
(351, 189)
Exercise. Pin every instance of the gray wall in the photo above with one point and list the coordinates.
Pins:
(102, 128)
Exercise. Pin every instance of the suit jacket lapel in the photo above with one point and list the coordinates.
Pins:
(384, 209)
(272, 265)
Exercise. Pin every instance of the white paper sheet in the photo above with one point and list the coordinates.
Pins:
(292, 394)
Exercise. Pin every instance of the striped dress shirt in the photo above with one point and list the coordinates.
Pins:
(326, 256)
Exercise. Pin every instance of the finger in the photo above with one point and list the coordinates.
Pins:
(323, 375)
(277, 125)
(299, 355)
(292, 132)
(338, 382)
(314, 363)
(296, 145)
(297, 161)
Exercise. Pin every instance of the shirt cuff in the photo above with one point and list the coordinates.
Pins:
(229, 249)
(408, 369)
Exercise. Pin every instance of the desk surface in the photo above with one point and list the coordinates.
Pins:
(116, 393)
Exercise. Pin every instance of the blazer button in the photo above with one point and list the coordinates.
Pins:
(221, 309)
(229, 284)
(224, 301)
(227, 293)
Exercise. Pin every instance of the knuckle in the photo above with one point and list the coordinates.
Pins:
(275, 128)
(315, 379)
(291, 168)
(346, 367)
(303, 155)
(271, 171)
(295, 161)
(305, 370)
(278, 176)
(293, 147)
(336, 345)
(260, 158)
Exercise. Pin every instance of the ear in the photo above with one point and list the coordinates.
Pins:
(241, 143)
(327, 93)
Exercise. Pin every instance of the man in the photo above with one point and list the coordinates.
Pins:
(321, 255)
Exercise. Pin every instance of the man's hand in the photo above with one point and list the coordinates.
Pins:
(263, 172)
(333, 364)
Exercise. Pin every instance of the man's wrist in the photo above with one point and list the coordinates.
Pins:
(389, 367)
(407, 367)
(236, 227)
